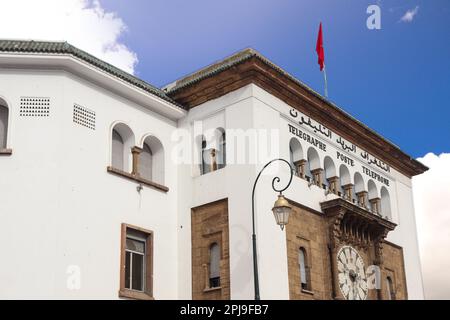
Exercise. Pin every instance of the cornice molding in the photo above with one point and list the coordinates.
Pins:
(271, 79)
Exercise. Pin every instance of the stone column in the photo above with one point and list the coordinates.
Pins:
(348, 191)
(333, 181)
(300, 167)
(375, 204)
(135, 151)
(317, 176)
(362, 198)
(213, 160)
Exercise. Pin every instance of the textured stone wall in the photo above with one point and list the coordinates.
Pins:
(310, 230)
(209, 226)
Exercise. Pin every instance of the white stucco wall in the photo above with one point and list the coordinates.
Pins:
(253, 108)
(59, 206)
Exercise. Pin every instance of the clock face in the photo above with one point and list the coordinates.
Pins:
(351, 274)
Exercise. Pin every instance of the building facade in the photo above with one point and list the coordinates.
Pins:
(112, 188)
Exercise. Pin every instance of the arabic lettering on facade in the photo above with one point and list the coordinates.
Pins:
(316, 128)
(345, 145)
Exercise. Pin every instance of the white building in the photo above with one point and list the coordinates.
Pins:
(104, 193)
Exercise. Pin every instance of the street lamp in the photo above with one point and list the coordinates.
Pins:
(281, 211)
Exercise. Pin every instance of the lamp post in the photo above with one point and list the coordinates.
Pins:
(281, 211)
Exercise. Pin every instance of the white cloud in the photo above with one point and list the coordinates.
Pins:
(409, 15)
(432, 204)
(83, 23)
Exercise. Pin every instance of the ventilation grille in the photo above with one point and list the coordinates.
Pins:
(83, 116)
(34, 107)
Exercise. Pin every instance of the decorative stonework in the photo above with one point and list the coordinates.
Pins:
(352, 224)
(300, 167)
(333, 182)
(362, 198)
(317, 177)
(375, 205)
(348, 191)
(323, 235)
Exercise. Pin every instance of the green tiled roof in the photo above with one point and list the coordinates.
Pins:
(212, 70)
(61, 47)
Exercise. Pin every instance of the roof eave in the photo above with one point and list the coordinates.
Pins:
(79, 67)
(413, 167)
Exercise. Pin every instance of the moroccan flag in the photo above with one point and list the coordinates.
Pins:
(319, 48)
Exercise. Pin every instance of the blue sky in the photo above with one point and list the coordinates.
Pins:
(396, 80)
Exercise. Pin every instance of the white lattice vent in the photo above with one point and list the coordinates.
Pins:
(34, 107)
(84, 116)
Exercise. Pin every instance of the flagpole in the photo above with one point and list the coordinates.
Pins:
(325, 78)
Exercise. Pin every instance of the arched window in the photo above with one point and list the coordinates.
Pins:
(291, 156)
(214, 266)
(152, 160)
(304, 269)
(222, 154)
(390, 294)
(373, 196)
(205, 156)
(3, 125)
(295, 155)
(372, 188)
(385, 203)
(146, 162)
(330, 170)
(313, 166)
(117, 151)
(359, 190)
(345, 182)
(359, 183)
(122, 140)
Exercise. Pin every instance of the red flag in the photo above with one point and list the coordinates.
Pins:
(319, 48)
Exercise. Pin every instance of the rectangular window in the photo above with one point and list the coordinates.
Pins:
(214, 266)
(136, 263)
